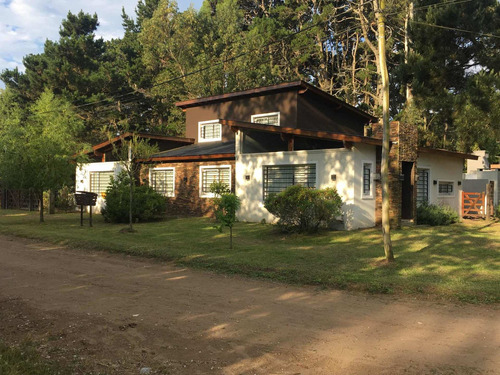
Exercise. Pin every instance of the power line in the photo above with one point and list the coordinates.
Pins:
(456, 29)
(211, 66)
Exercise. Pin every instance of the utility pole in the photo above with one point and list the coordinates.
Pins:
(386, 223)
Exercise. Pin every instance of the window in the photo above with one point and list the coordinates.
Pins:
(278, 177)
(267, 118)
(163, 181)
(210, 174)
(367, 180)
(209, 131)
(445, 188)
(422, 186)
(99, 181)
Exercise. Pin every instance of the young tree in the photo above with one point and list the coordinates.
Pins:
(38, 152)
(128, 151)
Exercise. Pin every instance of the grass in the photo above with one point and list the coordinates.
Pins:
(458, 262)
(25, 360)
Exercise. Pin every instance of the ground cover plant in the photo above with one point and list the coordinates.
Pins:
(458, 262)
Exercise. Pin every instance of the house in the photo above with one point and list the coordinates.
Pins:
(96, 176)
(480, 173)
(262, 140)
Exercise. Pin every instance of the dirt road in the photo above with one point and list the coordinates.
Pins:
(118, 314)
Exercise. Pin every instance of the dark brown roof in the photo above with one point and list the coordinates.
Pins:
(302, 132)
(300, 86)
(155, 137)
(198, 151)
(439, 151)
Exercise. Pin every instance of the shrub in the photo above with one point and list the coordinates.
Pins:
(65, 200)
(432, 214)
(148, 205)
(303, 209)
(497, 212)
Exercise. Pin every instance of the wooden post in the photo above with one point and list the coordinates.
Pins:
(81, 215)
(90, 216)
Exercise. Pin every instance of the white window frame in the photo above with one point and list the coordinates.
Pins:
(370, 195)
(170, 195)
(100, 193)
(253, 117)
(200, 125)
(202, 167)
(446, 195)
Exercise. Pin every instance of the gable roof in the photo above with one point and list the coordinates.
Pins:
(439, 151)
(300, 86)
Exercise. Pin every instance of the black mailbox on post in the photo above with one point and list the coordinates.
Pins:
(85, 198)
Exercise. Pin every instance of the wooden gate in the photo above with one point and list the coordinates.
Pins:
(473, 205)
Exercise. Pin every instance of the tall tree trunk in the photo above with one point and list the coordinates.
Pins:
(386, 224)
(131, 188)
(230, 238)
(408, 19)
(41, 207)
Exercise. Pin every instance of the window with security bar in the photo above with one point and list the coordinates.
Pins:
(367, 180)
(99, 181)
(445, 188)
(163, 181)
(278, 177)
(267, 118)
(422, 186)
(210, 131)
(209, 175)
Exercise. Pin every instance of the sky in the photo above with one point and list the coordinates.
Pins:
(26, 24)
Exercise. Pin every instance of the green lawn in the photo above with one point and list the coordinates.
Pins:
(458, 262)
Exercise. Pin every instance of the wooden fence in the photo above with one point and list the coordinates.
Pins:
(473, 205)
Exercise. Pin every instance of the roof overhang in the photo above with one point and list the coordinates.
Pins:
(241, 125)
(108, 145)
(300, 86)
(438, 151)
(187, 158)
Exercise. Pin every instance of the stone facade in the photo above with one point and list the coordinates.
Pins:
(187, 200)
(404, 148)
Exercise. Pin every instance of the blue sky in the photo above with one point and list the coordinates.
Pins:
(26, 24)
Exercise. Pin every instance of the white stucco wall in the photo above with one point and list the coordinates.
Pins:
(83, 178)
(346, 164)
(443, 168)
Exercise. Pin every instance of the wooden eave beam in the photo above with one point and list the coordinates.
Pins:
(186, 158)
(302, 132)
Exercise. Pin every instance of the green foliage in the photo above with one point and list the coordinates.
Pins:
(65, 199)
(497, 211)
(219, 188)
(433, 214)
(225, 210)
(147, 204)
(304, 210)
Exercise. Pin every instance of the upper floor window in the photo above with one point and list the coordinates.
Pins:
(267, 118)
(209, 131)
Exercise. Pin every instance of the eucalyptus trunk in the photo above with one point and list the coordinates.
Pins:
(386, 223)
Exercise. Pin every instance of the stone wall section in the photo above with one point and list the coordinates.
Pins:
(187, 200)
(404, 147)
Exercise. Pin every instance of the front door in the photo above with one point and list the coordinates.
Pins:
(407, 193)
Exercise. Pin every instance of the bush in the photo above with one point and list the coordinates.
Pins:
(432, 214)
(303, 209)
(497, 212)
(65, 199)
(147, 205)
